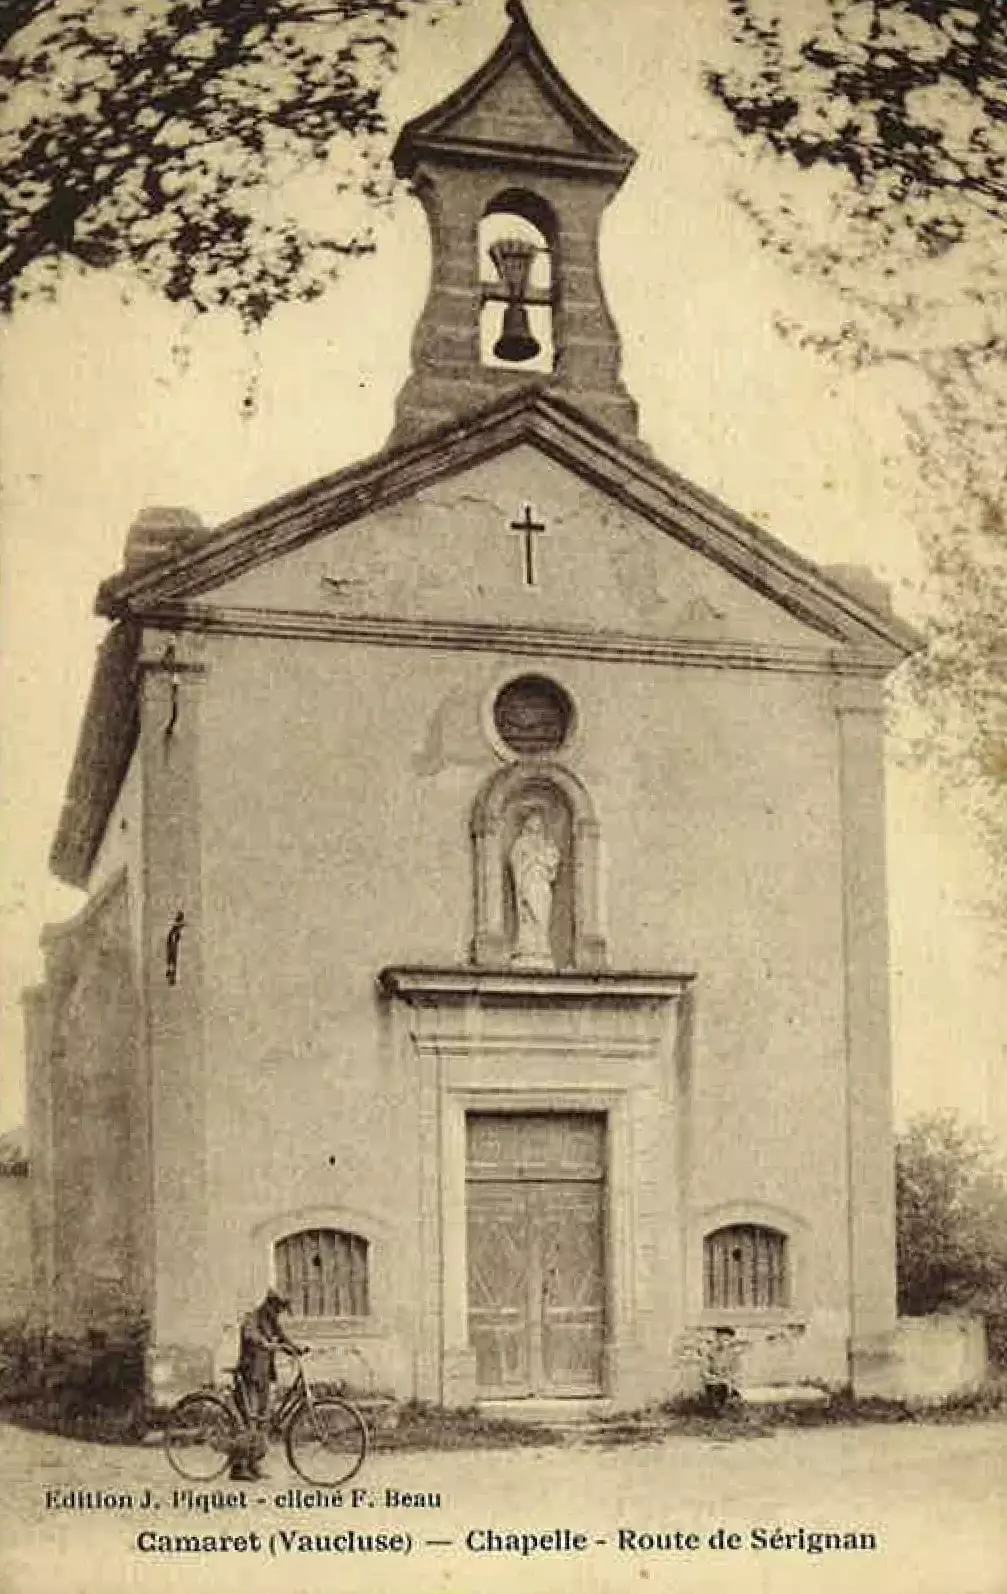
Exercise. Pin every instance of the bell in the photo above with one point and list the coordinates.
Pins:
(512, 258)
(516, 341)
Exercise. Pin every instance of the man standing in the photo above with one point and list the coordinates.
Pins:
(262, 1335)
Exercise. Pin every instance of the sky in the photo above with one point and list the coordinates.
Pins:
(112, 400)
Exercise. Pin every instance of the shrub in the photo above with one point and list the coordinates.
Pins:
(951, 1219)
(90, 1386)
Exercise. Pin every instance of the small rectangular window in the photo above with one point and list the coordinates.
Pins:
(323, 1273)
(745, 1267)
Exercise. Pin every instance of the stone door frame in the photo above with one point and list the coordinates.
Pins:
(522, 1042)
(459, 1369)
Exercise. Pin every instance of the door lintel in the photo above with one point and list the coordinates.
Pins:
(423, 986)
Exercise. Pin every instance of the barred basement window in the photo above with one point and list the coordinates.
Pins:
(323, 1273)
(745, 1265)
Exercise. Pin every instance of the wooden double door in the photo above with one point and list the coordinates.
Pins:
(535, 1185)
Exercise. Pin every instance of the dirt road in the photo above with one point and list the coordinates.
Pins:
(906, 1510)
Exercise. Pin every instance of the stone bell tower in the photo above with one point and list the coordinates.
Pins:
(514, 172)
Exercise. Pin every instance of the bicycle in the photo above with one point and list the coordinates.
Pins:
(325, 1436)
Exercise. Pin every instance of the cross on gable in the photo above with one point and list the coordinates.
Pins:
(529, 528)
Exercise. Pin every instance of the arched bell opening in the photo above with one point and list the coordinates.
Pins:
(517, 235)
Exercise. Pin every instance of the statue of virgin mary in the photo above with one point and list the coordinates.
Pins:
(534, 864)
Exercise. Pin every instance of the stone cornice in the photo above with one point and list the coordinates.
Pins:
(523, 640)
(436, 986)
(515, 157)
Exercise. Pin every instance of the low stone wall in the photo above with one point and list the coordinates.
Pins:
(782, 1357)
(926, 1360)
(941, 1356)
(930, 1359)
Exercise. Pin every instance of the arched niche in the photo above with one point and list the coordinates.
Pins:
(517, 220)
(498, 815)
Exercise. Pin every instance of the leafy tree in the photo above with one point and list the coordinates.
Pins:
(179, 137)
(891, 118)
(905, 98)
(951, 1218)
(959, 682)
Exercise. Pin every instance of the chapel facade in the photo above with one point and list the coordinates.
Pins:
(485, 939)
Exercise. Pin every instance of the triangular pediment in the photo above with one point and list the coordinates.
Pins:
(517, 110)
(453, 554)
(417, 547)
(422, 535)
(517, 107)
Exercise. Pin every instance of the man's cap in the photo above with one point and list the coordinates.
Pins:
(274, 1298)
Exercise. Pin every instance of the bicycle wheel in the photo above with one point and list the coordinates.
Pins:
(199, 1437)
(327, 1441)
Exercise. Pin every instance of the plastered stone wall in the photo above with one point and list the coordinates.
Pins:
(121, 849)
(336, 785)
(309, 810)
(344, 859)
(88, 1116)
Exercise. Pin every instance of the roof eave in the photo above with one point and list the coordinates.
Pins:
(422, 136)
(105, 746)
(517, 157)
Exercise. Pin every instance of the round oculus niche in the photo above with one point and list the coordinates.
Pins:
(532, 716)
